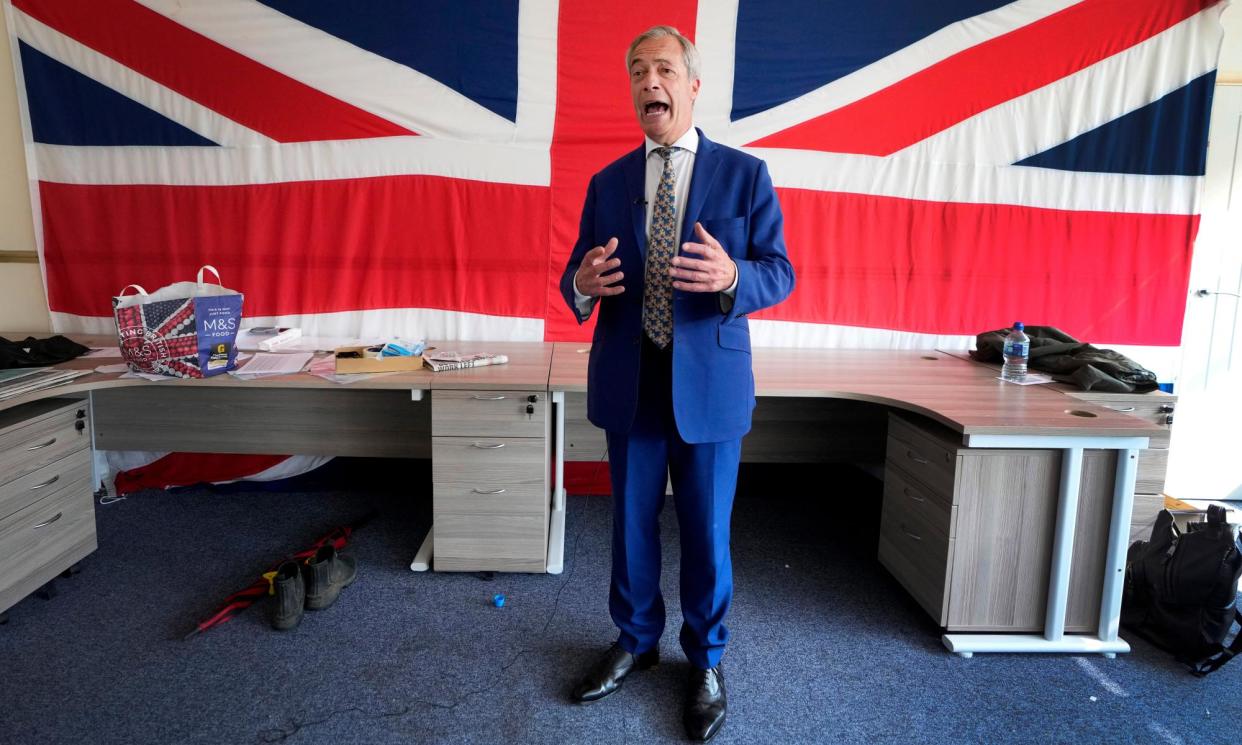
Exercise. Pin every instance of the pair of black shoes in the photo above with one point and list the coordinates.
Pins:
(314, 585)
(706, 704)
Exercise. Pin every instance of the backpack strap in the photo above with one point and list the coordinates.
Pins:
(1216, 661)
(1215, 514)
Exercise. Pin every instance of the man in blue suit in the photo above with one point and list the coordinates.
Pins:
(679, 240)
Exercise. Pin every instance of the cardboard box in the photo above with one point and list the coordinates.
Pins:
(367, 362)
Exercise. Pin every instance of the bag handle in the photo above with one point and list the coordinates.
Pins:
(1215, 662)
(205, 267)
(1216, 514)
(139, 288)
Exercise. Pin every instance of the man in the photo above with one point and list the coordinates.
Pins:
(670, 373)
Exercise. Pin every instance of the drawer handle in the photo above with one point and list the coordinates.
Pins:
(489, 491)
(910, 454)
(49, 482)
(913, 495)
(488, 398)
(493, 446)
(49, 443)
(1122, 408)
(915, 536)
(46, 523)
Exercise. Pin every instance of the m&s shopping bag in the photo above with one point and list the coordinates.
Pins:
(186, 330)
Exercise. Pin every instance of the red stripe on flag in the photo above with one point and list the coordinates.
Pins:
(252, 94)
(953, 268)
(185, 469)
(304, 247)
(985, 75)
(595, 119)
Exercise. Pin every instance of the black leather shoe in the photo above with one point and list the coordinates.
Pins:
(327, 573)
(290, 596)
(610, 671)
(705, 704)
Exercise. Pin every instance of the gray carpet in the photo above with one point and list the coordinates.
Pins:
(826, 646)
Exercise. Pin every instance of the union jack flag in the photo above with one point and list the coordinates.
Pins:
(417, 167)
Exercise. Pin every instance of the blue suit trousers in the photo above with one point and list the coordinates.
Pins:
(704, 478)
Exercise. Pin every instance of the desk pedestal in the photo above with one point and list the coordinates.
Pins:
(1054, 639)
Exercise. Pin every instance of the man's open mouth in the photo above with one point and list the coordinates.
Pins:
(653, 108)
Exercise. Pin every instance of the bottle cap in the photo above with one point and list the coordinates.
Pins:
(1017, 326)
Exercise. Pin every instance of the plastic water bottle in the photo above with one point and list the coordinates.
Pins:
(1017, 350)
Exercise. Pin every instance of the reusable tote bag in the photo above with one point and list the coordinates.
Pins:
(186, 330)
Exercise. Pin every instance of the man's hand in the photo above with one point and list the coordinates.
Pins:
(714, 272)
(594, 278)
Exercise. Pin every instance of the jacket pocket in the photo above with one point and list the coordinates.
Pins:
(730, 231)
(734, 336)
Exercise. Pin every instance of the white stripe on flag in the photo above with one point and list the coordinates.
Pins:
(410, 323)
(1050, 188)
(295, 161)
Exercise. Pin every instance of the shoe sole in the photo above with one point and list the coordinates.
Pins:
(577, 700)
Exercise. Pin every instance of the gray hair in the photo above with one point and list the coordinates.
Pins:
(689, 53)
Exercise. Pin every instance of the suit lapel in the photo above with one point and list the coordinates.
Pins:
(706, 164)
(635, 192)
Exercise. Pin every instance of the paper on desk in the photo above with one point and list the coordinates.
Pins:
(1031, 379)
(264, 363)
(148, 376)
(103, 352)
(110, 369)
(307, 343)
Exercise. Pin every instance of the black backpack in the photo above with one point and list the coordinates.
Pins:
(1181, 590)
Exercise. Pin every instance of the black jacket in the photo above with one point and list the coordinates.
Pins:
(1071, 361)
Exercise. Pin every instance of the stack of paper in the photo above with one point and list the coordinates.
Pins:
(27, 379)
(264, 364)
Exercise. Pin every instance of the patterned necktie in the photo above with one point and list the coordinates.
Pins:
(657, 298)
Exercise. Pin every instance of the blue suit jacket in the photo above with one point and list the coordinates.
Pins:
(731, 194)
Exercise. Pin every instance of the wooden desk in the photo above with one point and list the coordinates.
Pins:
(414, 414)
(985, 414)
(393, 416)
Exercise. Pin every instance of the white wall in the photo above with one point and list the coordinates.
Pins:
(23, 306)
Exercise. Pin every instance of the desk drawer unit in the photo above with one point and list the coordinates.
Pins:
(490, 413)
(47, 514)
(39, 433)
(490, 476)
(968, 532)
(915, 540)
(923, 454)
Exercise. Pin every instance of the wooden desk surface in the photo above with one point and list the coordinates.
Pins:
(527, 369)
(957, 393)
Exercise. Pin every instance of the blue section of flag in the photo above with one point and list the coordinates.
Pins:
(68, 108)
(787, 48)
(470, 46)
(1167, 137)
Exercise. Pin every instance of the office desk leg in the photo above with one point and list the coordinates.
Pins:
(1054, 639)
(422, 560)
(556, 527)
(1118, 538)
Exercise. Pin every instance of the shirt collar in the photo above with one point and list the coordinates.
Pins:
(688, 141)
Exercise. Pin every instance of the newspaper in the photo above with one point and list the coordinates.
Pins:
(438, 361)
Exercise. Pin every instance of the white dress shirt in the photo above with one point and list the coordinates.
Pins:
(682, 158)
